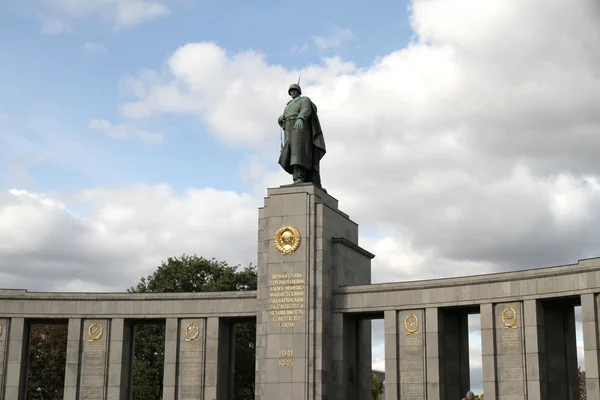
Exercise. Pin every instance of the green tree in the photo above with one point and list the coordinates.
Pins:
(376, 387)
(46, 361)
(582, 389)
(187, 274)
(148, 360)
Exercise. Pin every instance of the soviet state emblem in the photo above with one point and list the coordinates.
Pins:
(287, 240)
(509, 317)
(192, 331)
(411, 324)
(95, 332)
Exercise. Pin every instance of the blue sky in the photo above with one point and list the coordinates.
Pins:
(54, 84)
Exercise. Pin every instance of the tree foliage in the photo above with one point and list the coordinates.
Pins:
(148, 361)
(188, 274)
(46, 361)
(376, 387)
(582, 388)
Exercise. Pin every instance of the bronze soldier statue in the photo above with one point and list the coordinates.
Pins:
(304, 145)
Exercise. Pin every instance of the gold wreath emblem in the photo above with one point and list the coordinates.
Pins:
(411, 324)
(95, 332)
(192, 332)
(287, 240)
(509, 317)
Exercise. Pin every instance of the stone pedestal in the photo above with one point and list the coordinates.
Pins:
(307, 247)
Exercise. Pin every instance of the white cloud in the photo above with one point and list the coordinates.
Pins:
(94, 47)
(123, 13)
(484, 138)
(124, 234)
(55, 27)
(335, 38)
(124, 132)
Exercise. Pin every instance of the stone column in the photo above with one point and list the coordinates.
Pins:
(191, 353)
(510, 352)
(411, 349)
(94, 359)
(72, 359)
(16, 367)
(339, 379)
(365, 359)
(535, 349)
(3, 352)
(391, 354)
(120, 359)
(591, 346)
(350, 367)
(435, 386)
(488, 350)
(170, 359)
(211, 367)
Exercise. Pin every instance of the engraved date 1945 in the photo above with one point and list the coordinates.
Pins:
(286, 358)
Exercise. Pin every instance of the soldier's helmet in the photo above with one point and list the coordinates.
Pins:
(294, 86)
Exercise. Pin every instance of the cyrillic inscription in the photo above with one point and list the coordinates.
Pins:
(286, 299)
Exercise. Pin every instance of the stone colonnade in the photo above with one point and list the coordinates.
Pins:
(528, 344)
(99, 357)
(100, 344)
(529, 348)
(528, 352)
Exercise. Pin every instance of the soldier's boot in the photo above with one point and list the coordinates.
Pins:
(299, 174)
